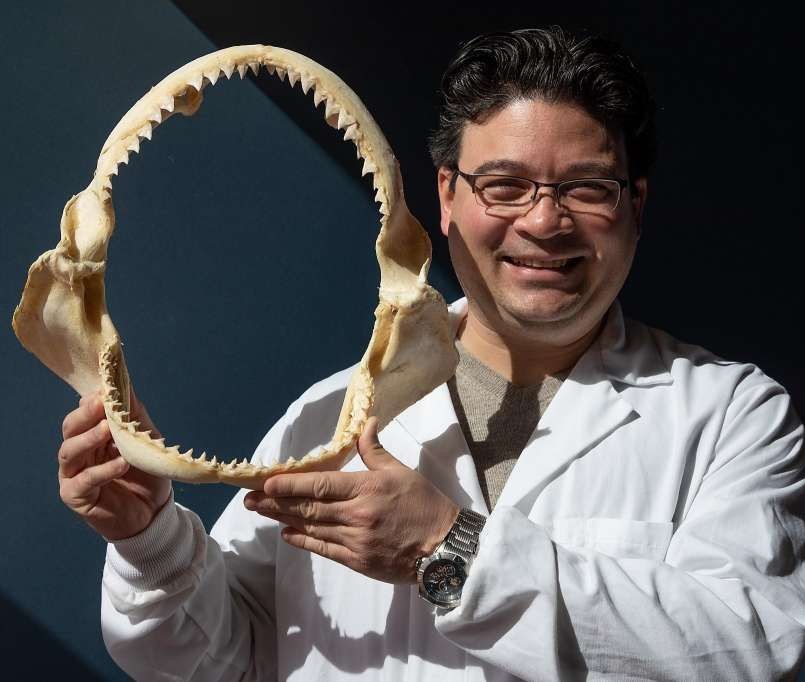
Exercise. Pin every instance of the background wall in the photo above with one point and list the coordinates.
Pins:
(243, 270)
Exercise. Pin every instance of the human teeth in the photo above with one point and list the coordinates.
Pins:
(541, 263)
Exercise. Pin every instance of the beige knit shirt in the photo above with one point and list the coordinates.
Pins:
(497, 417)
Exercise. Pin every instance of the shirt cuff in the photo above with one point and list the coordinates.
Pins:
(159, 554)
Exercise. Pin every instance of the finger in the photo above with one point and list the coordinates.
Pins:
(306, 508)
(88, 413)
(329, 550)
(328, 532)
(332, 485)
(75, 453)
(372, 453)
(84, 485)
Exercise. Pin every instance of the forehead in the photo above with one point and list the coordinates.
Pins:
(541, 137)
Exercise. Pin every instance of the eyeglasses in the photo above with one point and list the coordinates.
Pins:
(508, 196)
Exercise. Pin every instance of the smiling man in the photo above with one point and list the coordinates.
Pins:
(587, 497)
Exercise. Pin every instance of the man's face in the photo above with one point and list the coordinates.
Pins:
(503, 264)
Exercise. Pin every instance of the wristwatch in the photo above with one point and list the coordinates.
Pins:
(441, 576)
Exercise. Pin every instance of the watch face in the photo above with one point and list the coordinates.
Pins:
(443, 580)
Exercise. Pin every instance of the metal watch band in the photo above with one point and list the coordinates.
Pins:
(463, 536)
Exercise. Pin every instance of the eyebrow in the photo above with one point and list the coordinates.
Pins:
(593, 168)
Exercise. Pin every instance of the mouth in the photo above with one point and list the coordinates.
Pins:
(560, 265)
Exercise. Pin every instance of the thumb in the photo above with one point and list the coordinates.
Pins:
(372, 453)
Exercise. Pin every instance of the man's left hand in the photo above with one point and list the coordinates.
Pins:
(377, 522)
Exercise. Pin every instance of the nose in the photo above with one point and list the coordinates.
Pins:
(545, 219)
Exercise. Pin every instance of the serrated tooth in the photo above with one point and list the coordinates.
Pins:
(107, 183)
(351, 132)
(255, 67)
(155, 116)
(281, 73)
(214, 461)
(318, 96)
(160, 442)
(134, 145)
(212, 76)
(368, 167)
(202, 458)
(293, 77)
(380, 196)
(331, 108)
(124, 158)
(344, 119)
(242, 70)
(227, 70)
(243, 464)
(186, 456)
(384, 209)
(145, 132)
(270, 68)
(307, 83)
(196, 81)
(167, 105)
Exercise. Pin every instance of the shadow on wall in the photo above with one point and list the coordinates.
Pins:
(30, 652)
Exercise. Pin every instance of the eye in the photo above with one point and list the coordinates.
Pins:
(589, 191)
(502, 189)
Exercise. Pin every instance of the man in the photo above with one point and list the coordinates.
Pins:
(637, 500)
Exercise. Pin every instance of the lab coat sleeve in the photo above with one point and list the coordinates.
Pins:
(178, 604)
(727, 602)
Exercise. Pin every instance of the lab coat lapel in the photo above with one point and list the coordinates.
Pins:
(585, 410)
(444, 456)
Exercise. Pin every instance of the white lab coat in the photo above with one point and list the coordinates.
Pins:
(651, 529)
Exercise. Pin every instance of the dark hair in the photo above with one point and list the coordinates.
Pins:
(492, 70)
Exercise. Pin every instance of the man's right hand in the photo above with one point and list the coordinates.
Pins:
(115, 499)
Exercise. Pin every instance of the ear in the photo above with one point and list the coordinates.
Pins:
(446, 195)
(639, 193)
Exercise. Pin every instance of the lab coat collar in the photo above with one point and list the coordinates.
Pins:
(628, 358)
(595, 395)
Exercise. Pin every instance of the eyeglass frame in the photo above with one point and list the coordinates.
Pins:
(470, 179)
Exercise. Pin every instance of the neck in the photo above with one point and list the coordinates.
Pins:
(521, 359)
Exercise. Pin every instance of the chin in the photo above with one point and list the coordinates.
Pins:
(531, 313)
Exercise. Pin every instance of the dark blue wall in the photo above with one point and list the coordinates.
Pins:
(242, 268)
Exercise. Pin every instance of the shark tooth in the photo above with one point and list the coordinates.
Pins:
(214, 461)
(134, 145)
(344, 119)
(281, 73)
(351, 133)
(331, 108)
(307, 83)
(293, 77)
(145, 132)
(167, 104)
(318, 96)
(255, 68)
(212, 76)
(270, 68)
(368, 167)
(196, 82)
(242, 70)
(227, 70)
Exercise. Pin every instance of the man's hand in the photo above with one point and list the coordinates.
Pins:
(115, 499)
(377, 522)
